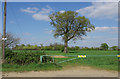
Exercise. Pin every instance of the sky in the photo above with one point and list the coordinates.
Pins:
(30, 22)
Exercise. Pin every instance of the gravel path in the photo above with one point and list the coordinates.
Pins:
(79, 71)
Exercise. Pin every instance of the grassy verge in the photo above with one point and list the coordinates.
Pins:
(30, 67)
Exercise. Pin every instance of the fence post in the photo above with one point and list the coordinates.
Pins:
(53, 59)
(41, 59)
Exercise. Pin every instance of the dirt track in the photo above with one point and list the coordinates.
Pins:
(67, 72)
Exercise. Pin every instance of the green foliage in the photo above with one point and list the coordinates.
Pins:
(30, 67)
(103, 62)
(114, 47)
(57, 46)
(22, 58)
(22, 45)
(27, 47)
(104, 46)
(70, 26)
(74, 48)
(54, 46)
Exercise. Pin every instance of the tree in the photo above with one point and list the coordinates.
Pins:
(16, 47)
(69, 26)
(11, 40)
(104, 46)
(114, 47)
(22, 45)
(57, 46)
(41, 47)
(28, 45)
(77, 47)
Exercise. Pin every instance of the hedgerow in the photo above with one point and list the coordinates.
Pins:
(22, 58)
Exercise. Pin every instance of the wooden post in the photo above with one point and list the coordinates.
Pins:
(4, 32)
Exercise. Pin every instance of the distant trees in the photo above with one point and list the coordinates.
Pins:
(54, 46)
(104, 46)
(70, 26)
(26, 47)
(60, 47)
(114, 47)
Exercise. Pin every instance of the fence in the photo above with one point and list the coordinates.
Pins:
(66, 58)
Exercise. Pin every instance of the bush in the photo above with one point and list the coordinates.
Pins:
(62, 50)
(23, 58)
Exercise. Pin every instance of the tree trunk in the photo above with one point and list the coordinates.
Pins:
(65, 48)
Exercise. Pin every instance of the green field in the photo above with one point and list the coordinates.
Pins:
(101, 62)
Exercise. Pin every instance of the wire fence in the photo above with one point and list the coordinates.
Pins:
(68, 58)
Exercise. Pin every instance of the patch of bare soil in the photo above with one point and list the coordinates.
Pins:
(59, 56)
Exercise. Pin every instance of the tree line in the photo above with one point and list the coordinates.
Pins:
(57, 46)
(13, 42)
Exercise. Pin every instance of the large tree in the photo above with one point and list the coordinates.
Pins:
(70, 26)
(104, 46)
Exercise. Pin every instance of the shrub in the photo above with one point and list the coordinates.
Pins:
(23, 58)
(62, 50)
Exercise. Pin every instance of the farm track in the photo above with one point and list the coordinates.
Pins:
(79, 71)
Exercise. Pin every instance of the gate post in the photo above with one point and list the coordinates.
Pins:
(53, 59)
(41, 58)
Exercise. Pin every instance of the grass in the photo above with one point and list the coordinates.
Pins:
(77, 52)
(103, 62)
(30, 67)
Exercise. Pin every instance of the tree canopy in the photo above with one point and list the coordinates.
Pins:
(69, 25)
(104, 46)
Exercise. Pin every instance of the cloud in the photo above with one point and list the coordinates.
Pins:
(39, 16)
(62, 11)
(106, 28)
(43, 14)
(30, 10)
(108, 10)
(46, 10)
